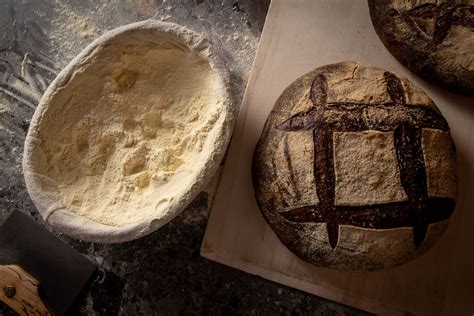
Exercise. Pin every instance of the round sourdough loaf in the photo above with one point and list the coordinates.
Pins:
(433, 38)
(355, 168)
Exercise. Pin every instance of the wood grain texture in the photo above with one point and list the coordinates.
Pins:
(25, 300)
(299, 36)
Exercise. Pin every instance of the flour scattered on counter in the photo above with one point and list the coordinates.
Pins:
(235, 36)
(165, 17)
(71, 28)
(75, 24)
(4, 108)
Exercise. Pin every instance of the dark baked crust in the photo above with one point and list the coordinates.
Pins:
(321, 119)
(435, 42)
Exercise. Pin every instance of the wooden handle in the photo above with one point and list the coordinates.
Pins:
(19, 290)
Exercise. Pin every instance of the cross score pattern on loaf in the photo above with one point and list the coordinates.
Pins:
(406, 121)
(446, 15)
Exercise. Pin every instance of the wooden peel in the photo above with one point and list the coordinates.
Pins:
(296, 39)
(20, 291)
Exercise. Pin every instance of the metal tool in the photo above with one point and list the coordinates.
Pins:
(39, 274)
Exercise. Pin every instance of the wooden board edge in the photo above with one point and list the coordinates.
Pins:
(213, 252)
(303, 285)
(265, 40)
(209, 251)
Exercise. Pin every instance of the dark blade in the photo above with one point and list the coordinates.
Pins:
(60, 270)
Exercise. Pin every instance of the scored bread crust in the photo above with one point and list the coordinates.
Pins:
(369, 176)
(434, 39)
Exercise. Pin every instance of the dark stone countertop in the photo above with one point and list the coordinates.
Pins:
(162, 273)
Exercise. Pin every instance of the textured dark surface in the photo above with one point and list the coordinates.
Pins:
(163, 273)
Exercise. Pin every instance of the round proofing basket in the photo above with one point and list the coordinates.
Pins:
(45, 192)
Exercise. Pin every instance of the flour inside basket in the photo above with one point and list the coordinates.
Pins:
(131, 131)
